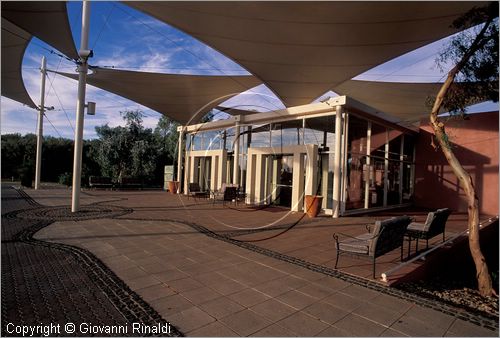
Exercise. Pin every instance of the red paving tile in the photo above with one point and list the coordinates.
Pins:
(283, 231)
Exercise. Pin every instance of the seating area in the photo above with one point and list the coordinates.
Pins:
(227, 193)
(390, 234)
(194, 190)
(386, 236)
(434, 225)
(130, 183)
(100, 182)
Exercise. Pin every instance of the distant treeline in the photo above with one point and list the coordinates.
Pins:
(130, 151)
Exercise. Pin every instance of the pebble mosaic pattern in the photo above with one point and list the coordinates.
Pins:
(45, 282)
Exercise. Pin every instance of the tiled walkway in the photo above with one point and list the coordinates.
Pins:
(206, 284)
(54, 284)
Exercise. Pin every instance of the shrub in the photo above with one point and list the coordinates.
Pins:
(26, 175)
(66, 179)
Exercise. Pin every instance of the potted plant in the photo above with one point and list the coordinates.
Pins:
(313, 205)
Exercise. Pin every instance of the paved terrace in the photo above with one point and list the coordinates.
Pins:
(215, 270)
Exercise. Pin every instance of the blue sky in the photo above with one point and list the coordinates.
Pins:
(127, 39)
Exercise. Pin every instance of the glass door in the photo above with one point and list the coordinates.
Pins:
(280, 190)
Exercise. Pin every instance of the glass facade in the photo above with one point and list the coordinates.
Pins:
(377, 162)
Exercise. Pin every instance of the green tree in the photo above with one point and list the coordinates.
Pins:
(475, 56)
(126, 151)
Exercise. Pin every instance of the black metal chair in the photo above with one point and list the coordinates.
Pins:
(195, 191)
(387, 235)
(227, 192)
(434, 225)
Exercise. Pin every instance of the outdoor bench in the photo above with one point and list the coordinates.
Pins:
(100, 182)
(386, 236)
(434, 225)
(130, 183)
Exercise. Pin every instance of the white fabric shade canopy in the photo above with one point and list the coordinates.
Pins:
(300, 50)
(405, 103)
(46, 20)
(14, 43)
(184, 98)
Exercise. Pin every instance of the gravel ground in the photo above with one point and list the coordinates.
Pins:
(460, 292)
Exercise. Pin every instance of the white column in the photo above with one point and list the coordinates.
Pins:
(274, 178)
(367, 172)
(250, 187)
(298, 182)
(260, 179)
(214, 172)
(401, 168)
(236, 164)
(202, 176)
(180, 153)
(222, 175)
(39, 137)
(80, 106)
(312, 171)
(386, 167)
(336, 162)
(195, 162)
(324, 178)
(188, 172)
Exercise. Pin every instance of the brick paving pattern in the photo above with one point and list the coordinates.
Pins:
(208, 271)
(45, 283)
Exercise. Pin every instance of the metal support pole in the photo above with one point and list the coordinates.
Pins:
(336, 163)
(179, 160)
(236, 164)
(80, 106)
(39, 137)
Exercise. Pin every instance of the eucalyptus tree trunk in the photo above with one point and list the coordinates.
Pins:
(482, 273)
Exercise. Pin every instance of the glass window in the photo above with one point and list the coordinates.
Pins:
(357, 135)
(197, 141)
(285, 134)
(319, 131)
(376, 198)
(188, 142)
(409, 144)
(393, 182)
(355, 198)
(407, 182)
(378, 140)
(395, 138)
(260, 137)
(230, 139)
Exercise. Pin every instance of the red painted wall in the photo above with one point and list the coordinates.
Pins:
(475, 143)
